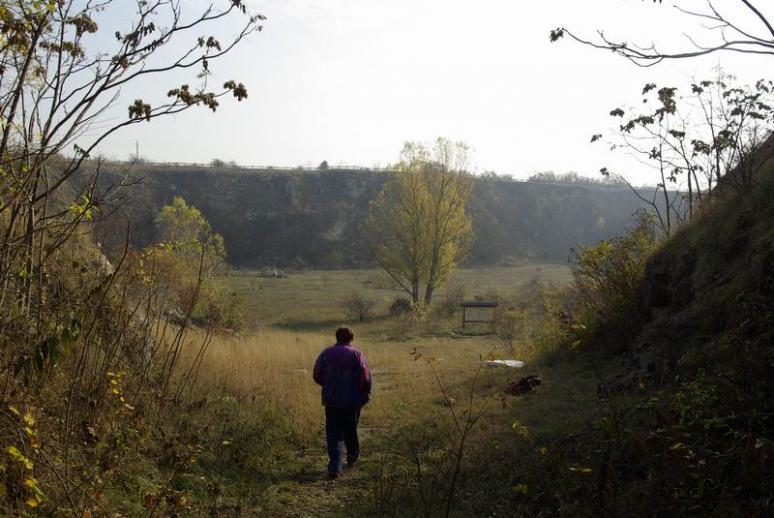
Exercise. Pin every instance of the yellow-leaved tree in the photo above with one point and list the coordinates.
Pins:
(184, 228)
(190, 261)
(417, 225)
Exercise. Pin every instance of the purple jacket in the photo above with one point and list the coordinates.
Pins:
(343, 372)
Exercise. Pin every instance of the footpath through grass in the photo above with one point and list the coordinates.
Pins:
(274, 369)
(407, 431)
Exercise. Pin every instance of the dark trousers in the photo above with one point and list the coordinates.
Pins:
(341, 430)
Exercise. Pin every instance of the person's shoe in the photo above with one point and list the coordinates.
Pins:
(351, 463)
(333, 476)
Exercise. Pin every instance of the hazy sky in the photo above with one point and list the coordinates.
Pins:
(348, 81)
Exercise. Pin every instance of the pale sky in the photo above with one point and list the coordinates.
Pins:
(348, 81)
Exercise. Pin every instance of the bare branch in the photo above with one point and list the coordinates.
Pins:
(744, 41)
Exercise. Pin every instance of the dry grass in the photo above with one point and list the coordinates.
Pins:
(271, 367)
(274, 368)
(269, 371)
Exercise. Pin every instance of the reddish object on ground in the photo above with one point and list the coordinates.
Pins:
(525, 385)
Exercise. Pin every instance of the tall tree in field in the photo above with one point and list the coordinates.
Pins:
(418, 226)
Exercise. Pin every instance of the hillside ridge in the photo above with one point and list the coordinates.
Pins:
(313, 218)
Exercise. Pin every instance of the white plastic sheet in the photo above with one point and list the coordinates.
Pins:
(513, 364)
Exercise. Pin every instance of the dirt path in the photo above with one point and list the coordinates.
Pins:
(308, 492)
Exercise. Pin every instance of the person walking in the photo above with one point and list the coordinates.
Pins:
(342, 371)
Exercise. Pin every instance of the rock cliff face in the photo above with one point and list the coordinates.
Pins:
(715, 277)
(700, 366)
(314, 218)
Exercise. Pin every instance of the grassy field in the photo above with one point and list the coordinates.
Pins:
(268, 370)
(295, 317)
(312, 300)
(272, 369)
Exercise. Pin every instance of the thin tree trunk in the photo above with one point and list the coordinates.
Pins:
(667, 205)
(429, 292)
(690, 196)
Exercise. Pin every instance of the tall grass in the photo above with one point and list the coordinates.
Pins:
(274, 368)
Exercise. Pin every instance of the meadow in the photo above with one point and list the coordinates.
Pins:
(423, 382)
(312, 299)
(294, 319)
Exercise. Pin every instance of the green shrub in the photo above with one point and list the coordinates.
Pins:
(190, 263)
(609, 276)
(358, 306)
(510, 326)
(400, 306)
(221, 307)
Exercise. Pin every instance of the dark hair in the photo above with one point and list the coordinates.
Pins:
(344, 335)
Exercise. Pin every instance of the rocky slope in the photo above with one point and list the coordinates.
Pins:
(311, 218)
(700, 434)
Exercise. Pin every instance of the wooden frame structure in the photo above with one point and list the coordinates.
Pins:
(474, 312)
